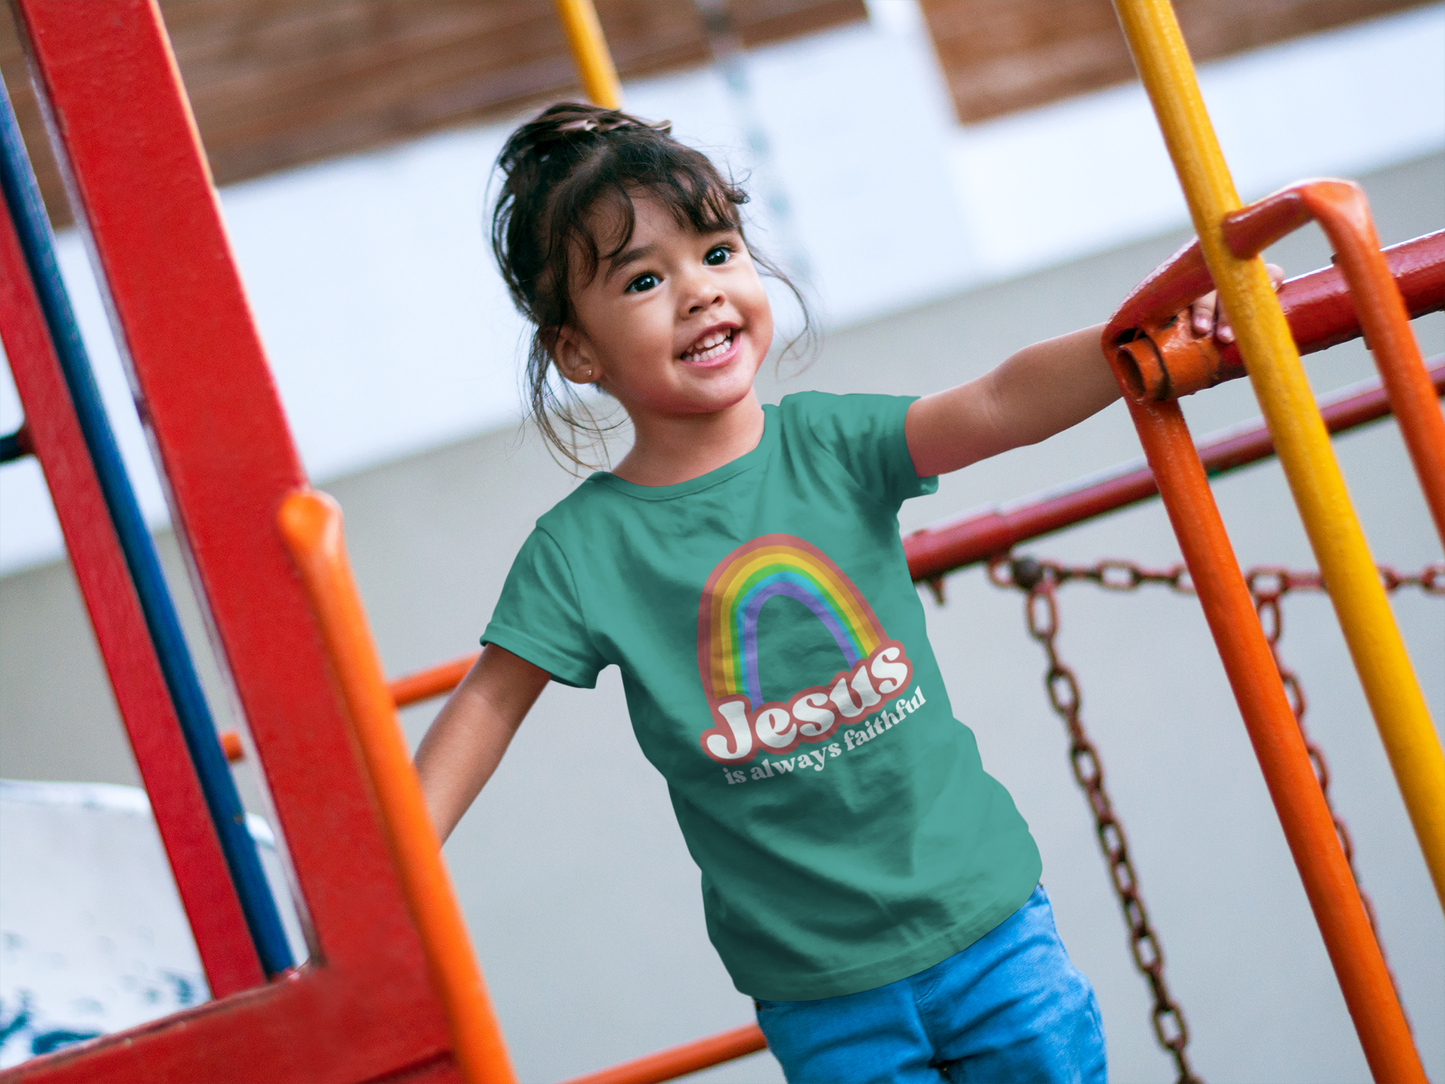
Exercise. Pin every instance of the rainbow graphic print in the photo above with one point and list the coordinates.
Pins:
(770, 566)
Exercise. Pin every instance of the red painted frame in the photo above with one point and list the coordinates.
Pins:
(202, 877)
(363, 1008)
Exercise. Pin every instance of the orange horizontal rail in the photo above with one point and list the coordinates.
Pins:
(680, 1060)
(231, 745)
(425, 684)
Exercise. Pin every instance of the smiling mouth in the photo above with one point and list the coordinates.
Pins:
(713, 346)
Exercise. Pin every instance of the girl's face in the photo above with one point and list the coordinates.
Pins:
(675, 325)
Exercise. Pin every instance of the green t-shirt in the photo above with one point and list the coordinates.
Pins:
(778, 674)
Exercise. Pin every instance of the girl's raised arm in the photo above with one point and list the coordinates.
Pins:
(465, 743)
(1042, 390)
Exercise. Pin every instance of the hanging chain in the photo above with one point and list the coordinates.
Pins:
(1042, 613)
(1267, 586)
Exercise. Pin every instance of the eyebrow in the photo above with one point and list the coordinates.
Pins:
(632, 255)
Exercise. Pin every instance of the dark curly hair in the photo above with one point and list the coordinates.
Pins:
(557, 170)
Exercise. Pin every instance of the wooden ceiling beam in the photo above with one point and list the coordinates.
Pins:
(1001, 56)
(279, 83)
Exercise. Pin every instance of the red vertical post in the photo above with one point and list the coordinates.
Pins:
(363, 1008)
(142, 189)
(202, 877)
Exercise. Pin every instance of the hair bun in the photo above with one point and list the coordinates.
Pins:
(566, 121)
(611, 121)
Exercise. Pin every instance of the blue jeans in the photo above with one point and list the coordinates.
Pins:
(1009, 1008)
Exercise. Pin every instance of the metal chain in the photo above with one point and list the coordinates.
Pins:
(1042, 614)
(1267, 586)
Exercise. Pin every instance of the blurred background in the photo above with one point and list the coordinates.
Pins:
(949, 180)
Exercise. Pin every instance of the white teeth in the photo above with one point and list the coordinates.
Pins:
(715, 345)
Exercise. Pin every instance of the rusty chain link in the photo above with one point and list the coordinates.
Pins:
(1042, 614)
(1267, 586)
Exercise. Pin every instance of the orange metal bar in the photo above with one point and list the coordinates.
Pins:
(310, 523)
(425, 684)
(1343, 213)
(680, 1060)
(231, 745)
(1169, 361)
(1278, 744)
(1162, 59)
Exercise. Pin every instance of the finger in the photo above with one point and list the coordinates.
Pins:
(1222, 331)
(1201, 314)
(1276, 275)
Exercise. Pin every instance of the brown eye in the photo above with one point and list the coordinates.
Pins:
(642, 283)
(719, 255)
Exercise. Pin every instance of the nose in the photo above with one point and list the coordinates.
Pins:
(702, 291)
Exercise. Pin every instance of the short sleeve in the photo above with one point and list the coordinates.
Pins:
(865, 434)
(539, 616)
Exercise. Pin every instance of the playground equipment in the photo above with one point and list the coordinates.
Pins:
(1039, 581)
(393, 963)
(140, 184)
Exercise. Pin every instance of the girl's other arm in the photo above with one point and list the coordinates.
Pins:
(465, 743)
(1042, 390)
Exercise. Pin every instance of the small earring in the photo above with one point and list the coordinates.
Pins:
(587, 373)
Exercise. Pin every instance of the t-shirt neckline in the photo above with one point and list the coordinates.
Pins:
(716, 476)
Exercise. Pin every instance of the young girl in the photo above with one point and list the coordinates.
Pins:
(864, 880)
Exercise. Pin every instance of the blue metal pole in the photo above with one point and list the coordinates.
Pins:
(22, 197)
(13, 446)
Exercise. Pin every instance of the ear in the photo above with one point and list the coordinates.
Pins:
(573, 356)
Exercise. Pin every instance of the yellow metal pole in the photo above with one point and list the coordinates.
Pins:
(1295, 425)
(589, 50)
